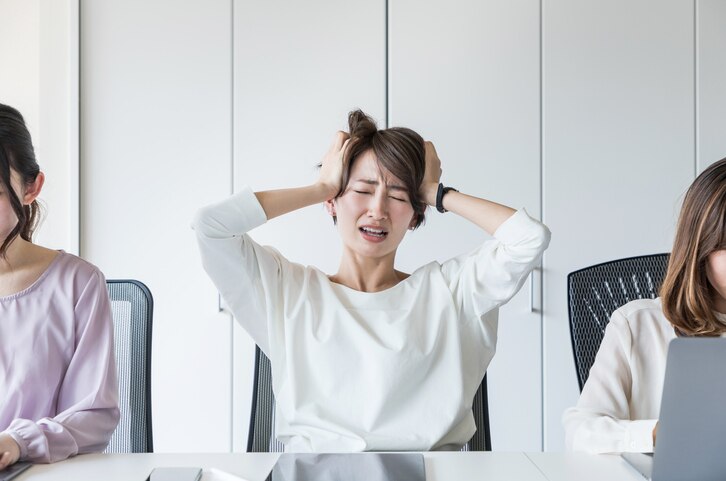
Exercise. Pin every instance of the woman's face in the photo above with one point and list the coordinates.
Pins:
(374, 211)
(26, 193)
(716, 273)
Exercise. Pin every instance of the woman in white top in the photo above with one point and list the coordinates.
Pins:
(371, 358)
(620, 402)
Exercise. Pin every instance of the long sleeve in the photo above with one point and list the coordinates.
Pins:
(87, 400)
(245, 273)
(491, 275)
(603, 421)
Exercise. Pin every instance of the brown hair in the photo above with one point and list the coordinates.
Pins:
(687, 294)
(16, 153)
(398, 150)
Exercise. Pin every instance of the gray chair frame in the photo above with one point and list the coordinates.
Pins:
(132, 344)
(262, 438)
(595, 292)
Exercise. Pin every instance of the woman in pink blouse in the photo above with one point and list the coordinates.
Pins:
(58, 391)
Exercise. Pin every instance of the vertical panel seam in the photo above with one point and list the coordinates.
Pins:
(79, 117)
(386, 62)
(541, 216)
(696, 137)
(231, 191)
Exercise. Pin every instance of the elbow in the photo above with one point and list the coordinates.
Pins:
(105, 427)
(200, 219)
(542, 236)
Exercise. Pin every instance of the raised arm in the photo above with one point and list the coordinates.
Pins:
(486, 214)
(247, 275)
(489, 276)
(278, 202)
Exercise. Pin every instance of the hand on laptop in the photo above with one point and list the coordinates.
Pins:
(655, 431)
(9, 451)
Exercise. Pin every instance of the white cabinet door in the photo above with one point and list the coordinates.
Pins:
(619, 151)
(465, 74)
(299, 67)
(157, 134)
(711, 81)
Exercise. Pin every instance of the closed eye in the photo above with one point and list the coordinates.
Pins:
(362, 192)
(397, 198)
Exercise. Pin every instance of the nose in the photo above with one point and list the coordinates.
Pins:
(378, 207)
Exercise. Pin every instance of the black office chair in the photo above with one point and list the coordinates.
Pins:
(262, 438)
(595, 292)
(132, 308)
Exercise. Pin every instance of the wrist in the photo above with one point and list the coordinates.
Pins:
(326, 190)
(429, 191)
(441, 191)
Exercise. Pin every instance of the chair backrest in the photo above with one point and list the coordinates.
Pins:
(132, 308)
(262, 437)
(595, 292)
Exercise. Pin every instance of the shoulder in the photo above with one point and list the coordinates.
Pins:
(77, 275)
(641, 316)
(77, 267)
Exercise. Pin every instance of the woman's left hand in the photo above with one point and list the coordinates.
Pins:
(432, 176)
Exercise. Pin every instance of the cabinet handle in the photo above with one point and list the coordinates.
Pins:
(221, 306)
(532, 275)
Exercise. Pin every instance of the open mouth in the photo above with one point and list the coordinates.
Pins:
(373, 233)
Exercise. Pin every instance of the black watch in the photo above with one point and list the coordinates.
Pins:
(440, 197)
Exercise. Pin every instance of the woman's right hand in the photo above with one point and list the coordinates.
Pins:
(432, 175)
(331, 168)
(9, 451)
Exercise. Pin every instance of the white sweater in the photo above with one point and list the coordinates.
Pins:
(357, 371)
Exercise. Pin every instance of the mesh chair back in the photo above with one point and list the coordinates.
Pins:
(595, 292)
(262, 436)
(132, 308)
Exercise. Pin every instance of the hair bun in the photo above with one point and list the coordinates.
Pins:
(361, 125)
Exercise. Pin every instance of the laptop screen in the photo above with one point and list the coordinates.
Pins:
(692, 424)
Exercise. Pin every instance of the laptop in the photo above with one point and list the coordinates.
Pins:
(349, 467)
(691, 439)
(14, 470)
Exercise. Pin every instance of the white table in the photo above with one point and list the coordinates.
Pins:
(584, 467)
(440, 466)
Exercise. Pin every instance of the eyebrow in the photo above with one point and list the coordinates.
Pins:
(390, 186)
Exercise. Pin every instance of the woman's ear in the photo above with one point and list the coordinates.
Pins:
(32, 189)
(330, 207)
(412, 224)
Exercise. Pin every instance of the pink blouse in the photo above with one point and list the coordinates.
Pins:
(58, 390)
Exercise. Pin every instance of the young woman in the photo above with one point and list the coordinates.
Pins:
(620, 402)
(371, 358)
(58, 394)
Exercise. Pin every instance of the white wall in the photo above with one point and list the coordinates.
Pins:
(20, 58)
(618, 132)
(711, 79)
(156, 145)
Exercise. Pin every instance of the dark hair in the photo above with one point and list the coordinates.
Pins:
(398, 150)
(687, 294)
(16, 153)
